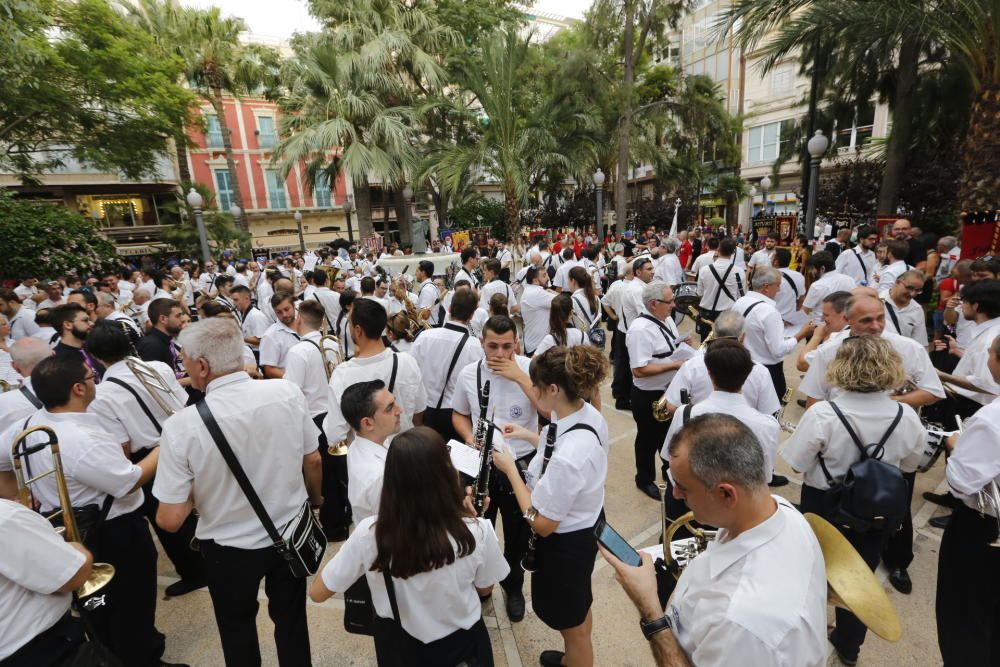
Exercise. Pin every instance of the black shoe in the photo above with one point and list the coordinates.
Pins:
(183, 587)
(777, 480)
(942, 499)
(623, 405)
(840, 656)
(801, 402)
(650, 490)
(172, 664)
(940, 521)
(900, 580)
(337, 534)
(515, 606)
(551, 658)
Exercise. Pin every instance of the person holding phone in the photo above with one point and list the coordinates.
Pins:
(563, 498)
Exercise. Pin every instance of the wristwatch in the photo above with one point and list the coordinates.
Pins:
(656, 625)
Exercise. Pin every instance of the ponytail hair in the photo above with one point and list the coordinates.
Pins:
(498, 305)
(559, 315)
(581, 277)
(578, 370)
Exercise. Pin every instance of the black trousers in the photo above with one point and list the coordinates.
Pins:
(777, 372)
(850, 632)
(898, 550)
(615, 335)
(440, 421)
(968, 591)
(55, 647)
(189, 564)
(649, 435)
(234, 575)
(621, 383)
(335, 514)
(516, 530)
(127, 623)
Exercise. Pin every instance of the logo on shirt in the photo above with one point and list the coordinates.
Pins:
(515, 411)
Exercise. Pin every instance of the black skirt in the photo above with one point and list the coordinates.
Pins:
(395, 647)
(561, 594)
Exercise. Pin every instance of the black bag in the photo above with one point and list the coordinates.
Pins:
(302, 541)
(595, 334)
(359, 611)
(872, 495)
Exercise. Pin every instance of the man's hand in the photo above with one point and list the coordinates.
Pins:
(505, 368)
(804, 332)
(639, 583)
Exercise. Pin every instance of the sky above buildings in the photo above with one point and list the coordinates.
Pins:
(279, 21)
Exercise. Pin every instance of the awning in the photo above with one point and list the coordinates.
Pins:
(136, 250)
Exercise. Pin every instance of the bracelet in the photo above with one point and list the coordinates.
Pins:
(657, 625)
(530, 515)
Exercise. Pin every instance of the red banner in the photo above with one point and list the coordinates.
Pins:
(980, 234)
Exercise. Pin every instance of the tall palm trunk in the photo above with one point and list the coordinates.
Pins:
(363, 207)
(401, 205)
(979, 184)
(904, 107)
(227, 145)
(180, 147)
(625, 121)
(385, 214)
(512, 215)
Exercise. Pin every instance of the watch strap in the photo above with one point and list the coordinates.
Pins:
(656, 625)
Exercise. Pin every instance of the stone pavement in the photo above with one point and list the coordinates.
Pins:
(192, 636)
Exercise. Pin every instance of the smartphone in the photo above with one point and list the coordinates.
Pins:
(616, 544)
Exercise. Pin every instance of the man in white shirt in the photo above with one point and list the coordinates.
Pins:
(427, 294)
(705, 258)
(441, 354)
(373, 413)
(97, 473)
(253, 323)
(561, 280)
(470, 260)
(328, 298)
(904, 315)
(493, 285)
(721, 283)
(506, 259)
(765, 256)
(279, 337)
(971, 382)
(20, 318)
(631, 308)
(18, 403)
(107, 311)
(895, 265)
(826, 280)
(968, 622)
(669, 267)
(764, 328)
(54, 296)
(834, 325)
(28, 292)
(269, 430)
(859, 262)
(536, 304)
(766, 557)
(590, 259)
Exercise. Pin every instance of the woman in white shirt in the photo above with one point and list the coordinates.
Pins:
(564, 496)
(562, 333)
(584, 296)
(342, 328)
(398, 331)
(427, 560)
(823, 448)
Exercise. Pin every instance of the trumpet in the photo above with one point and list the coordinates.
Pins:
(154, 385)
(786, 426)
(102, 573)
(6, 386)
(988, 500)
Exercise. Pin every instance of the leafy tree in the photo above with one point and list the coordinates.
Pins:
(479, 212)
(220, 228)
(100, 93)
(38, 234)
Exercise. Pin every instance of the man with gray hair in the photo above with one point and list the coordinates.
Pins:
(904, 315)
(272, 435)
(651, 341)
(107, 310)
(19, 403)
(764, 328)
(769, 559)
(668, 268)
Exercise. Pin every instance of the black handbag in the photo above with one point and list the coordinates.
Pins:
(359, 611)
(301, 542)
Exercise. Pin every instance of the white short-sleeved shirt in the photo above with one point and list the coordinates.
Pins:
(975, 461)
(730, 275)
(23, 324)
(762, 257)
(857, 264)
(760, 596)
(496, 287)
(613, 299)
(764, 329)
(270, 431)
(916, 365)
(669, 269)
(431, 604)
(632, 306)
(93, 462)
(275, 344)
(512, 405)
(701, 261)
(820, 431)
(434, 349)
(118, 412)
(254, 324)
(304, 368)
(264, 293)
(758, 390)
(365, 471)
(465, 274)
(912, 323)
(428, 298)
(973, 364)
(828, 283)
(764, 426)
(330, 301)
(889, 275)
(36, 563)
(561, 279)
(536, 303)
(408, 390)
(582, 307)
(15, 407)
(787, 298)
(25, 293)
(574, 337)
(572, 489)
(650, 341)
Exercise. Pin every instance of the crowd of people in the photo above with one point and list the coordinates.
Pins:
(223, 405)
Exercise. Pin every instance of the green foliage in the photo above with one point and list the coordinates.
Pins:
(220, 228)
(479, 212)
(41, 236)
(100, 93)
(716, 222)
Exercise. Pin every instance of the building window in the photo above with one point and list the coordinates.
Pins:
(223, 189)
(766, 141)
(321, 191)
(213, 132)
(276, 190)
(854, 127)
(265, 126)
(783, 79)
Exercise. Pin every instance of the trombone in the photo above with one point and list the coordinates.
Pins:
(154, 385)
(102, 573)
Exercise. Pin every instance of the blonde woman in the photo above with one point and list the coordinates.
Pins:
(822, 448)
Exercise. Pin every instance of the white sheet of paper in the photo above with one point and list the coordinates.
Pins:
(683, 352)
(466, 458)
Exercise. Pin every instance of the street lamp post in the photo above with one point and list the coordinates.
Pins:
(237, 214)
(817, 149)
(407, 196)
(195, 201)
(599, 185)
(765, 185)
(348, 207)
(298, 224)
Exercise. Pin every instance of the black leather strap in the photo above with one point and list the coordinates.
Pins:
(395, 368)
(791, 283)
(391, 592)
(752, 306)
(722, 283)
(877, 453)
(451, 367)
(864, 267)
(30, 396)
(142, 403)
(892, 316)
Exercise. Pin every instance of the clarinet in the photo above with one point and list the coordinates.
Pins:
(484, 441)
(528, 561)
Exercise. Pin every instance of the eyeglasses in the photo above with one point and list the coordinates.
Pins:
(87, 378)
(912, 288)
(664, 301)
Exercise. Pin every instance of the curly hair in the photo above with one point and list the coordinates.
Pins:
(578, 370)
(866, 364)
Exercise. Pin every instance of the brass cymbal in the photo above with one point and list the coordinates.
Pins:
(852, 584)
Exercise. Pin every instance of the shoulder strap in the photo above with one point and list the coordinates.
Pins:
(241, 477)
(687, 411)
(752, 306)
(791, 283)
(893, 316)
(857, 441)
(142, 403)
(390, 590)
(31, 398)
(451, 367)
(667, 335)
(722, 283)
(395, 367)
(864, 267)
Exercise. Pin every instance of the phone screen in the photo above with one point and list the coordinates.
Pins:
(616, 544)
